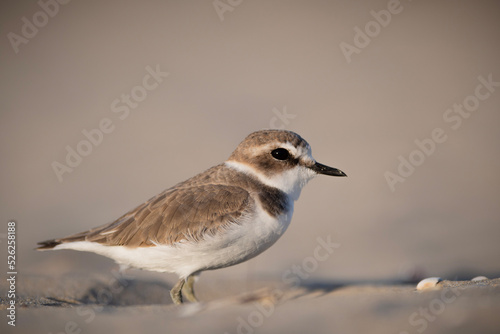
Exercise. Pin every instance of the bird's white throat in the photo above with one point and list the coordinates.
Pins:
(289, 181)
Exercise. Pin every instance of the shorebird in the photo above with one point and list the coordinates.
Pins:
(223, 216)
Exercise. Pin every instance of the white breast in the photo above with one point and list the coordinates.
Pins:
(236, 244)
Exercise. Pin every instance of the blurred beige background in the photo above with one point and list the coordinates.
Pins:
(231, 76)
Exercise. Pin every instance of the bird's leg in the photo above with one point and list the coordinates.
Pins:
(176, 293)
(188, 291)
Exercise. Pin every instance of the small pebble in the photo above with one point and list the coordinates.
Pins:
(428, 283)
(479, 278)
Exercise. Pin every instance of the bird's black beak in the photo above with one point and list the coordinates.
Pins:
(322, 169)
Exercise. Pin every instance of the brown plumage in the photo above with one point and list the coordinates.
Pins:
(182, 212)
(228, 214)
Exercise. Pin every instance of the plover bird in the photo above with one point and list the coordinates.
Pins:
(223, 216)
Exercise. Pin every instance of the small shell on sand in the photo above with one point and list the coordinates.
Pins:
(428, 283)
(479, 278)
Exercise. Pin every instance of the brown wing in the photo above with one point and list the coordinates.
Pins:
(175, 214)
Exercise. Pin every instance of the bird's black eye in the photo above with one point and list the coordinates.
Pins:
(280, 154)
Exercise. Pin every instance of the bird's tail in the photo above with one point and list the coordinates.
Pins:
(48, 244)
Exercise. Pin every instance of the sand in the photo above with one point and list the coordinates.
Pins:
(123, 304)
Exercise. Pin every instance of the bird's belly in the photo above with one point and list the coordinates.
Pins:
(236, 244)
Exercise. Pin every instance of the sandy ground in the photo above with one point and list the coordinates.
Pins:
(95, 304)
